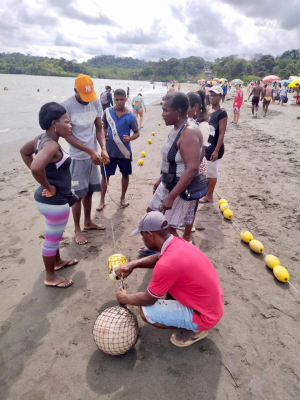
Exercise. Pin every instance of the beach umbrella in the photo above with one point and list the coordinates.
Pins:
(216, 79)
(175, 81)
(236, 82)
(271, 78)
(294, 81)
(223, 80)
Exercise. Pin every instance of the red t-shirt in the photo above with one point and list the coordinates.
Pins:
(188, 275)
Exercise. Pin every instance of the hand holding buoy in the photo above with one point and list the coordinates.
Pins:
(153, 133)
(159, 123)
(114, 262)
(143, 154)
(141, 162)
(149, 141)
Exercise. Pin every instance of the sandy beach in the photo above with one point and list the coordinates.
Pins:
(47, 351)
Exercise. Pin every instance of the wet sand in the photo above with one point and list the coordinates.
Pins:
(47, 350)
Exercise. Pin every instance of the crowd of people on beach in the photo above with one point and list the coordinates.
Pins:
(191, 156)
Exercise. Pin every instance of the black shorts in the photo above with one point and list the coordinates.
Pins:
(255, 100)
(124, 165)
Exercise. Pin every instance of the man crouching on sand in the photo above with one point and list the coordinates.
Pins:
(181, 273)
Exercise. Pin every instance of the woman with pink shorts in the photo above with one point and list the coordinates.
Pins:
(237, 104)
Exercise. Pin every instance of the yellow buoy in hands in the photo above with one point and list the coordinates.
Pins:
(224, 206)
(228, 214)
(143, 154)
(159, 123)
(114, 262)
(271, 261)
(246, 236)
(281, 273)
(223, 201)
(256, 246)
(149, 141)
(153, 133)
(141, 162)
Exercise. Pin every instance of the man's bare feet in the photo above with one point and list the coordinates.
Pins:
(64, 263)
(91, 226)
(79, 238)
(123, 202)
(59, 282)
(100, 207)
(184, 338)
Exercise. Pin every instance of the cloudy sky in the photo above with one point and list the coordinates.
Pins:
(149, 29)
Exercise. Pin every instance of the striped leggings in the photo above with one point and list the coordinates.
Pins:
(56, 220)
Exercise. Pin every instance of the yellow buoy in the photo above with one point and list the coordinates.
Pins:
(141, 162)
(281, 273)
(149, 141)
(143, 154)
(224, 207)
(246, 236)
(223, 201)
(228, 214)
(115, 261)
(159, 123)
(153, 133)
(271, 261)
(256, 246)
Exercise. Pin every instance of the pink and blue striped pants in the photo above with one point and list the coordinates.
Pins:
(56, 220)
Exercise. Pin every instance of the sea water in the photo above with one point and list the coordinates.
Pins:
(20, 104)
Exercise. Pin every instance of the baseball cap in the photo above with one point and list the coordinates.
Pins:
(108, 87)
(151, 222)
(85, 87)
(216, 89)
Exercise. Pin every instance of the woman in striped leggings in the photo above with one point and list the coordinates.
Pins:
(50, 168)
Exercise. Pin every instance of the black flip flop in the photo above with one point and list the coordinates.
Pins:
(59, 283)
(68, 264)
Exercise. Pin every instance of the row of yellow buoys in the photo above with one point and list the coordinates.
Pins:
(271, 261)
(143, 153)
(224, 207)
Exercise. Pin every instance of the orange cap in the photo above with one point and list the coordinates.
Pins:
(85, 87)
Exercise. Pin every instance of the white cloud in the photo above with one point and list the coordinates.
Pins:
(151, 30)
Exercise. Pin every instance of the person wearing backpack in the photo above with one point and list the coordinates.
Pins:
(106, 98)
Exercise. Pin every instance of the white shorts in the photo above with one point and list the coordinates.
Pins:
(213, 169)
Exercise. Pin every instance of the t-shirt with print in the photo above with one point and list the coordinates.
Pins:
(213, 121)
(187, 274)
(124, 125)
(83, 124)
(283, 91)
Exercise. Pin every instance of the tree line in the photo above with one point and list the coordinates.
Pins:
(111, 67)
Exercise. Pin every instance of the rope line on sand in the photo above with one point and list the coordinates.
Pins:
(263, 252)
(109, 203)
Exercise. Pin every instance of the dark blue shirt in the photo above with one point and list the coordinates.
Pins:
(124, 125)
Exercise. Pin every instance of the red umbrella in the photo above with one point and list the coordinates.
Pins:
(271, 78)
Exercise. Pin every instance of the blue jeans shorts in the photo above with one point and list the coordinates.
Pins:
(123, 163)
(170, 313)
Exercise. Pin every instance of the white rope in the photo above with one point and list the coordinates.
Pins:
(118, 204)
(110, 215)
